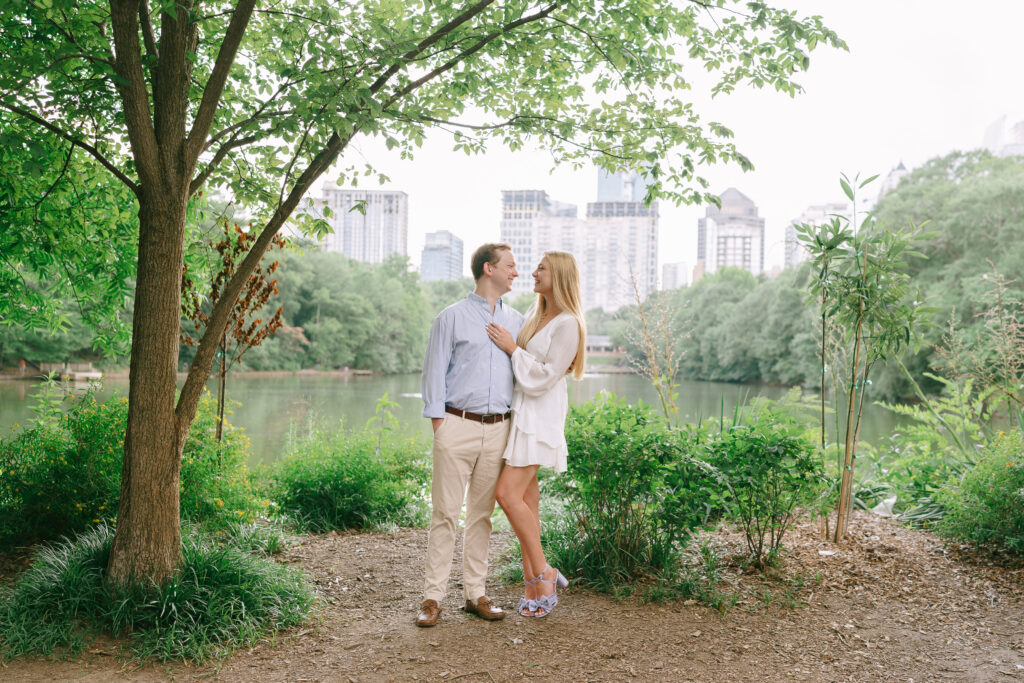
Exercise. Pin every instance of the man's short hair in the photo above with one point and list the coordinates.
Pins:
(486, 253)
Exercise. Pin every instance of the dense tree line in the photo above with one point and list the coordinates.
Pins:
(731, 326)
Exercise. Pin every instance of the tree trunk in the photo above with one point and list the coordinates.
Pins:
(147, 541)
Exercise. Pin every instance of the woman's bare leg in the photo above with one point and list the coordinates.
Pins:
(519, 496)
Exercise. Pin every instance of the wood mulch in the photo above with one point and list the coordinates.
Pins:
(892, 604)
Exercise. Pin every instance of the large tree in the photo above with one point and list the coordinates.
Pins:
(261, 98)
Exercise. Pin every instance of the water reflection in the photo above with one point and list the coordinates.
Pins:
(274, 409)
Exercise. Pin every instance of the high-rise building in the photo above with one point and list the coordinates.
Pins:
(368, 225)
(816, 214)
(1005, 139)
(732, 235)
(616, 243)
(442, 257)
(891, 181)
(675, 275)
(620, 187)
(532, 223)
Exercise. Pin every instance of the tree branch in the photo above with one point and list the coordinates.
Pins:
(132, 87)
(207, 347)
(218, 77)
(31, 116)
(234, 143)
(434, 37)
(148, 37)
(481, 44)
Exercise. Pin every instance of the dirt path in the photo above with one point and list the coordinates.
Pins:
(893, 605)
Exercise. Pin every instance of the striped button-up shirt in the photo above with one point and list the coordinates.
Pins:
(463, 368)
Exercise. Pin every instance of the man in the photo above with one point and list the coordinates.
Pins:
(467, 392)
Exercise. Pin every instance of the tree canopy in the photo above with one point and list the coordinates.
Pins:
(260, 100)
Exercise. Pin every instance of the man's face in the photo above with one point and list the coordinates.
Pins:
(504, 272)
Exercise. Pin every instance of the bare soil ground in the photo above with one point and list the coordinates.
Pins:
(893, 604)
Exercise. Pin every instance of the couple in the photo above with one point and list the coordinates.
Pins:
(494, 388)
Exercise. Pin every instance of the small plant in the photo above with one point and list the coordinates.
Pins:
(986, 506)
(352, 480)
(634, 493)
(64, 473)
(772, 470)
(221, 599)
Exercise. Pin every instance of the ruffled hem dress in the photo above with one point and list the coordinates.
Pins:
(540, 401)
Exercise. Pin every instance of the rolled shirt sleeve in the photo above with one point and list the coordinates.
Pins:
(534, 377)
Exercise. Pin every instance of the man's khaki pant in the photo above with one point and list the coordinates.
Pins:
(465, 452)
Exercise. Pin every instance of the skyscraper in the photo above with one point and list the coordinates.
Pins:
(370, 234)
(675, 275)
(532, 223)
(732, 235)
(442, 257)
(618, 237)
(620, 187)
(816, 214)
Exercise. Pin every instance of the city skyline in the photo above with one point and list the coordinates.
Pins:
(902, 93)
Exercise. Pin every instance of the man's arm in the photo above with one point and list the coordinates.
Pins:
(435, 367)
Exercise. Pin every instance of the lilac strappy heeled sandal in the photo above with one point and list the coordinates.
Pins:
(548, 602)
(528, 607)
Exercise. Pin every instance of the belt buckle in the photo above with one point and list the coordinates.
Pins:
(489, 418)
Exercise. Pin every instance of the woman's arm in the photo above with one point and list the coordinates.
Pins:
(536, 377)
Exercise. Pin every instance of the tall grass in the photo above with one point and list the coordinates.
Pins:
(221, 598)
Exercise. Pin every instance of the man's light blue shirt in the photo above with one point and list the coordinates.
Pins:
(463, 368)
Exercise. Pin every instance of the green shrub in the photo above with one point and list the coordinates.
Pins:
(352, 479)
(64, 472)
(222, 598)
(634, 494)
(986, 505)
(772, 470)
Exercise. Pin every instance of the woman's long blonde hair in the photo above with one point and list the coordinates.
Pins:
(565, 286)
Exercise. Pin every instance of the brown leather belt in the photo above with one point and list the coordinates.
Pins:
(487, 419)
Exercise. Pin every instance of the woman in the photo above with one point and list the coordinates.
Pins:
(550, 344)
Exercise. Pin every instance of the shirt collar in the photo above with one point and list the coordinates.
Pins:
(473, 296)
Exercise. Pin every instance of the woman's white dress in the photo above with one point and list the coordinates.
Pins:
(540, 401)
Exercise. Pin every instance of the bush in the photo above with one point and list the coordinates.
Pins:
(222, 598)
(64, 472)
(986, 506)
(772, 470)
(352, 479)
(633, 493)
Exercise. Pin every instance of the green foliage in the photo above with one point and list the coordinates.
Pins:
(772, 470)
(731, 326)
(221, 599)
(352, 480)
(986, 505)
(634, 493)
(339, 312)
(64, 472)
(68, 242)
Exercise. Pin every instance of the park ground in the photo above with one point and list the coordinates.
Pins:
(892, 604)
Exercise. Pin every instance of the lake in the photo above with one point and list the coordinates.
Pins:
(270, 409)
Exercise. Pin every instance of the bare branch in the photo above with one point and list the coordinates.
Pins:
(75, 141)
(234, 143)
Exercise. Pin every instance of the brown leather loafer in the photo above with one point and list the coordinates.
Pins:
(485, 609)
(430, 612)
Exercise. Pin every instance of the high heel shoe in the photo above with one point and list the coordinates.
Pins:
(528, 607)
(548, 602)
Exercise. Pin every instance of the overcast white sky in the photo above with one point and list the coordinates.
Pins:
(922, 78)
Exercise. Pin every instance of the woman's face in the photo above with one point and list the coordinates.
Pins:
(542, 283)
